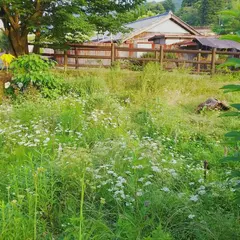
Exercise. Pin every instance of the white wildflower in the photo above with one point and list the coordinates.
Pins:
(7, 85)
(194, 198)
(201, 192)
(20, 85)
(156, 169)
(201, 187)
(147, 183)
(165, 189)
(191, 216)
(139, 193)
(141, 179)
(201, 180)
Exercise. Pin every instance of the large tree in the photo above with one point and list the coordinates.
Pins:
(202, 12)
(53, 19)
(169, 5)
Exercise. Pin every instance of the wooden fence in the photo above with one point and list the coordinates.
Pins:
(197, 60)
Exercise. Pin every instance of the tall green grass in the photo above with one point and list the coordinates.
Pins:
(118, 156)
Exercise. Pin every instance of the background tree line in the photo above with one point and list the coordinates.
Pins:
(58, 21)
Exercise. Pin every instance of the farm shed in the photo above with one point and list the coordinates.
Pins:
(206, 43)
(213, 42)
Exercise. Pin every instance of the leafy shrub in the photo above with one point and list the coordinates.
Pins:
(234, 137)
(148, 55)
(34, 70)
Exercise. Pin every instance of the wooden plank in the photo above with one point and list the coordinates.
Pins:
(88, 56)
(76, 59)
(65, 60)
(198, 60)
(185, 61)
(213, 60)
(185, 51)
(161, 55)
(52, 55)
(126, 49)
(80, 46)
(84, 65)
(137, 59)
(112, 54)
(157, 55)
(228, 53)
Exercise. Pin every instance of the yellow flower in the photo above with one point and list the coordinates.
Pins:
(7, 59)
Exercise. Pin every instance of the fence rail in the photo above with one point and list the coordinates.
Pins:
(197, 58)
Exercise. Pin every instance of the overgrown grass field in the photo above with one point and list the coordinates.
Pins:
(118, 156)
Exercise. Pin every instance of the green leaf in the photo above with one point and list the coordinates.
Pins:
(236, 105)
(231, 62)
(231, 159)
(235, 173)
(233, 134)
(231, 114)
(231, 88)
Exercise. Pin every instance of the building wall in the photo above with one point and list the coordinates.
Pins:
(1, 24)
(172, 41)
(168, 27)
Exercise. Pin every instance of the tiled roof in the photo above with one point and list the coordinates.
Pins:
(134, 27)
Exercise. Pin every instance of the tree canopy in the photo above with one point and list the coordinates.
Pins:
(169, 5)
(203, 12)
(51, 20)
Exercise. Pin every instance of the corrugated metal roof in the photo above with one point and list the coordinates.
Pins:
(218, 43)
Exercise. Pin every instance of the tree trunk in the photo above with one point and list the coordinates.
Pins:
(19, 42)
(36, 48)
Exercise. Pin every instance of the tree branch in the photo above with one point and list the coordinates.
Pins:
(9, 16)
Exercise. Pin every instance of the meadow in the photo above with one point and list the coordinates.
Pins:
(119, 155)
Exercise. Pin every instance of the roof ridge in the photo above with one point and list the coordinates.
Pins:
(156, 16)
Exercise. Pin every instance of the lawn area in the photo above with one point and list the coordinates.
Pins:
(118, 156)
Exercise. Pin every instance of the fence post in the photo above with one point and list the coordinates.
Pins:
(65, 60)
(213, 61)
(156, 55)
(198, 60)
(161, 56)
(54, 54)
(112, 53)
(76, 58)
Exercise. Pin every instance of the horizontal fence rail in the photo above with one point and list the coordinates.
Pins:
(81, 55)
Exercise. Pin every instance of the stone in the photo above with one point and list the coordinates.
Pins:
(212, 104)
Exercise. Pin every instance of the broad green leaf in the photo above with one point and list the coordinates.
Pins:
(231, 88)
(235, 173)
(235, 135)
(231, 114)
(231, 62)
(236, 105)
(231, 159)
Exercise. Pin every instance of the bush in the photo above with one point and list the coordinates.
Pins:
(33, 70)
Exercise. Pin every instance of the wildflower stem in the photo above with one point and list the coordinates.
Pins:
(35, 207)
(81, 208)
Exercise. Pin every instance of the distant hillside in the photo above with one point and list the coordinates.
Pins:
(177, 3)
